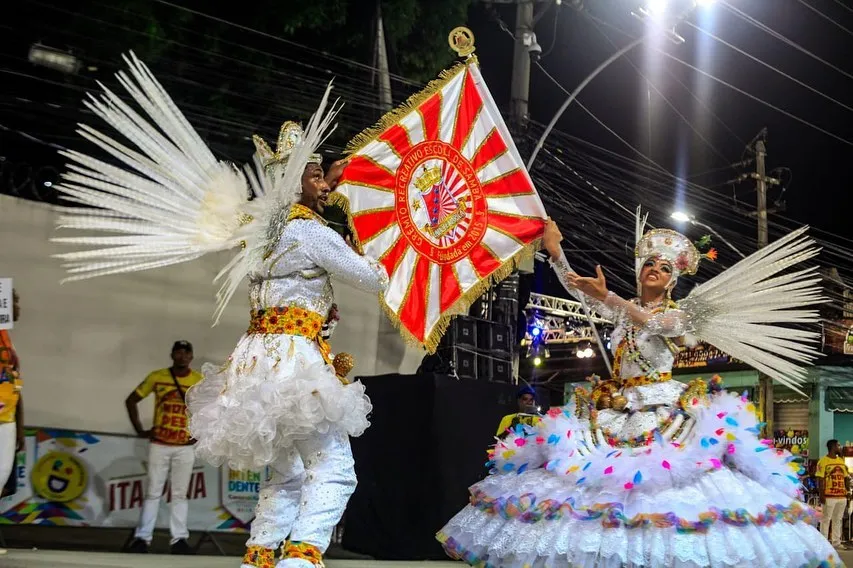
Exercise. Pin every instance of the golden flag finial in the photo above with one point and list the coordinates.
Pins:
(461, 40)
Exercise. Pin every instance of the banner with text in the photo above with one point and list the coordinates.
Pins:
(99, 480)
(6, 304)
(701, 355)
(795, 441)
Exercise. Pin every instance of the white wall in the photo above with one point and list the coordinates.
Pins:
(85, 345)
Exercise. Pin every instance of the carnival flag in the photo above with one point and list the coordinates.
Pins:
(438, 193)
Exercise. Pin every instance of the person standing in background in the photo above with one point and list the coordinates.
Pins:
(171, 447)
(528, 413)
(11, 403)
(833, 482)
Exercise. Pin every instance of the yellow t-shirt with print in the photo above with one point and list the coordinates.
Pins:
(834, 474)
(10, 379)
(510, 420)
(170, 410)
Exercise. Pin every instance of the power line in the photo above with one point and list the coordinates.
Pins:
(666, 100)
(825, 17)
(285, 41)
(296, 61)
(768, 66)
(843, 5)
(780, 37)
(356, 93)
(741, 91)
(757, 99)
(672, 76)
(596, 119)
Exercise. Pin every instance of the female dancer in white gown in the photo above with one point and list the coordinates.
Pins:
(645, 471)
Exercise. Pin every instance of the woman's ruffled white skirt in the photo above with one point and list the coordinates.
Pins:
(723, 498)
(722, 520)
(273, 391)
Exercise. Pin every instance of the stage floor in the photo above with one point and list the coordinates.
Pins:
(59, 559)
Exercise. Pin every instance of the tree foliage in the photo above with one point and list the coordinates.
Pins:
(228, 79)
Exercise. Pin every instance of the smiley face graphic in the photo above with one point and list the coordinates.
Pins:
(59, 477)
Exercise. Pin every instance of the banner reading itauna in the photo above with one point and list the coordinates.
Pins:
(438, 193)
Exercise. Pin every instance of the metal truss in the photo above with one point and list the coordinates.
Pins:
(561, 307)
(554, 313)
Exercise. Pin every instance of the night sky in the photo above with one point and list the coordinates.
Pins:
(619, 96)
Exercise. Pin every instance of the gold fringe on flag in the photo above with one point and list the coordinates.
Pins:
(412, 103)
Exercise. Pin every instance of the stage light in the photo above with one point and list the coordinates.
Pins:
(680, 216)
(657, 7)
(537, 326)
(537, 361)
(589, 353)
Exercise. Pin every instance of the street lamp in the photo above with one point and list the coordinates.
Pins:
(54, 59)
(655, 7)
(683, 217)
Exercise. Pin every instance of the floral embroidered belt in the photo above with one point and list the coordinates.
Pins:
(606, 394)
(290, 320)
(286, 320)
(645, 380)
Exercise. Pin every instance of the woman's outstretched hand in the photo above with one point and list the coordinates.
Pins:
(595, 287)
(552, 238)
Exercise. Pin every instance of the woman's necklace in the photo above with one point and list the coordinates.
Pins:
(632, 350)
(653, 305)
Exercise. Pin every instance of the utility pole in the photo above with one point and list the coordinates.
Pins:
(502, 301)
(765, 384)
(525, 39)
(385, 100)
(761, 189)
(507, 292)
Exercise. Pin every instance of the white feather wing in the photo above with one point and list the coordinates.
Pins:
(739, 311)
(172, 202)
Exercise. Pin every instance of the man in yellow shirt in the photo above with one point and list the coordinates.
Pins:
(171, 448)
(527, 413)
(833, 483)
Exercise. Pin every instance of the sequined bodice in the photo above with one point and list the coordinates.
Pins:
(289, 277)
(651, 346)
(298, 270)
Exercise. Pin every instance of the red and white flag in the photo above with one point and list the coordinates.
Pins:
(439, 194)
